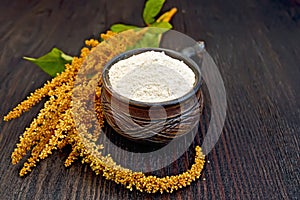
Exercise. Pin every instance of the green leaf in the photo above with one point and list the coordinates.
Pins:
(166, 25)
(121, 27)
(152, 8)
(151, 38)
(66, 57)
(52, 62)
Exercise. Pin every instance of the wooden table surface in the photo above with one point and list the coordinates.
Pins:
(256, 46)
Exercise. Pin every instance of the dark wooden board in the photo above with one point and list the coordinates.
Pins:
(256, 45)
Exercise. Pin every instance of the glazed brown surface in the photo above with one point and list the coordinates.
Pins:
(168, 121)
(256, 46)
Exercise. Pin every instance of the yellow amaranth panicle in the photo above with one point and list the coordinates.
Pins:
(167, 16)
(107, 35)
(43, 128)
(54, 127)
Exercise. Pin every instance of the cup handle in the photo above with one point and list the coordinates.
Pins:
(197, 49)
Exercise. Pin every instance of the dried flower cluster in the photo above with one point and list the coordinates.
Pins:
(54, 127)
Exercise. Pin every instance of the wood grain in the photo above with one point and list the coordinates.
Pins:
(256, 46)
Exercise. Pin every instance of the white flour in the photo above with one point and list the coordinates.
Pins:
(151, 77)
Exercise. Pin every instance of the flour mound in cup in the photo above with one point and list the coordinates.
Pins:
(151, 76)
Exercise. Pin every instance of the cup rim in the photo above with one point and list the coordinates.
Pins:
(173, 54)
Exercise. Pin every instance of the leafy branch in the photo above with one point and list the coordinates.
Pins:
(54, 62)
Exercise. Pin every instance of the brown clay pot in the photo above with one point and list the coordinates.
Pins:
(165, 121)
